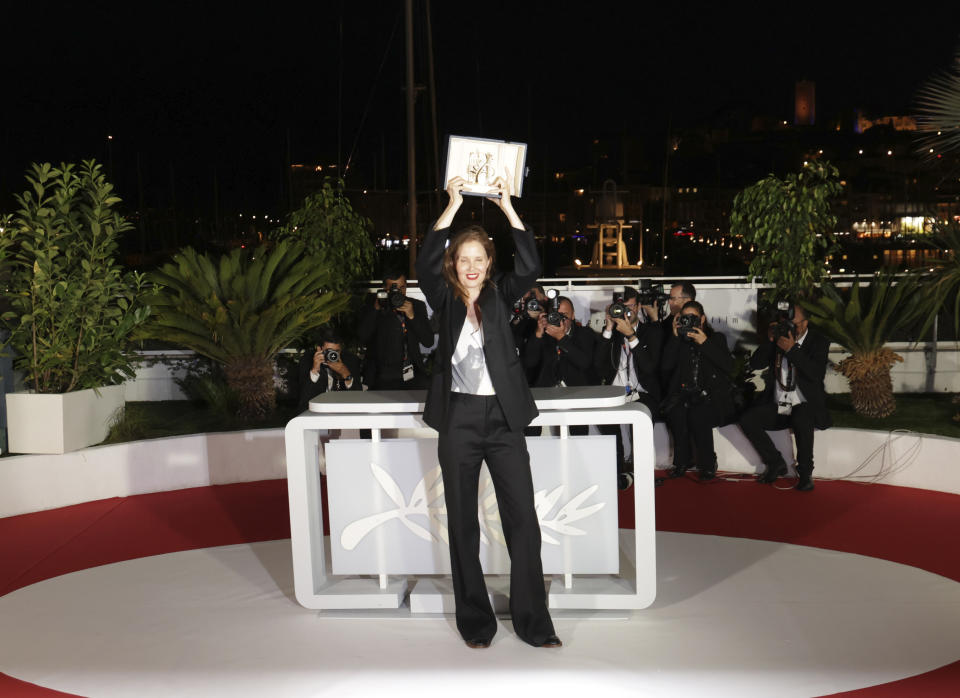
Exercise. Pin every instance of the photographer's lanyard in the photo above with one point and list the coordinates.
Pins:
(403, 338)
(558, 378)
(786, 375)
(694, 384)
(626, 362)
(334, 381)
(405, 362)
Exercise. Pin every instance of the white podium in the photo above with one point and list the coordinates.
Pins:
(388, 535)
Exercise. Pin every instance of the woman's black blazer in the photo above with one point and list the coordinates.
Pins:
(500, 350)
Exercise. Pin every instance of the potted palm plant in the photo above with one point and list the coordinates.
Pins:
(71, 308)
(863, 328)
(241, 309)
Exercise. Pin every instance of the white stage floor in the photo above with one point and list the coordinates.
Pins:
(733, 617)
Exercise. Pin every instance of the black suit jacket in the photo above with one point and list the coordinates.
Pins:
(499, 348)
(309, 389)
(810, 361)
(569, 360)
(383, 333)
(646, 357)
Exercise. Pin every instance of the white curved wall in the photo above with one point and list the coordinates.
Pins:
(35, 483)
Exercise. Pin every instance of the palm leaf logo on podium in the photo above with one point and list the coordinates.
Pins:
(427, 501)
(422, 503)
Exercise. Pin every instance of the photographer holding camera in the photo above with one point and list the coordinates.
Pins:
(329, 368)
(652, 299)
(560, 352)
(796, 359)
(628, 354)
(699, 393)
(523, 324)
(393, 327)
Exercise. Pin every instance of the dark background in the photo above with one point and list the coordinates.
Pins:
(203, 97)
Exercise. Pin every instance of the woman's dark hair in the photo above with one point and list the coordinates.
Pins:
(472, 233)
(704, 323)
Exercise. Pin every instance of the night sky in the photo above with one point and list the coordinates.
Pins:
(198, 92)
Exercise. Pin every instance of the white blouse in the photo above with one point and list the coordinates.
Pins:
(469, 364)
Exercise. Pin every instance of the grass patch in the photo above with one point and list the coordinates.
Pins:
(930, 413)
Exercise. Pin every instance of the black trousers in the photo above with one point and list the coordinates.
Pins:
(760, 419)
(692, 428)
(477, 430)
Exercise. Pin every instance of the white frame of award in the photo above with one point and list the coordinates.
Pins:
(482, 160)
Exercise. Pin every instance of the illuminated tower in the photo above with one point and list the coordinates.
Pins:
(805, 104)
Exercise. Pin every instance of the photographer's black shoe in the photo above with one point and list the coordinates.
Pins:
(804, 484)
(678, 471)
(772, 473)
(624, 481)
(708, 473)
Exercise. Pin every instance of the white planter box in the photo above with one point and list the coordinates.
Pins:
(61, 423)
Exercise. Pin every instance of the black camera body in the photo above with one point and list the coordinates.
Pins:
(554, 316)
(331, 356)
(394, 297)
(651, 294)
(617, 309)
(530, 305)
(784, 320)
(685, 324)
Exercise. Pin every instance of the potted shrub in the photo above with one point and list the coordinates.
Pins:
(72, 308)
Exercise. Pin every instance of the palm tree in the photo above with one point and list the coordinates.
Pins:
(241, 310)
(938, 110)
(863, 329)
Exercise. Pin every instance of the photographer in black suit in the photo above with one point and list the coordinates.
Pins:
(700, 390)
(628, 354)
(795, 357)
(561, 350)
(393, 327)
(523, 324)
(329, 368)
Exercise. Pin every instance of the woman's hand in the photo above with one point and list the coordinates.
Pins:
(455, 192)
(501, 187)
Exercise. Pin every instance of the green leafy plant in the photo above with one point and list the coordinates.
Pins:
(241, 309)
(863, 327)
(332, 231)
(790, 223)
(72, 307)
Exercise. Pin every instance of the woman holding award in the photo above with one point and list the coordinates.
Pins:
(479, 402)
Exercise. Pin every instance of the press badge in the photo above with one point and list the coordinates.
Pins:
(408, 373)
